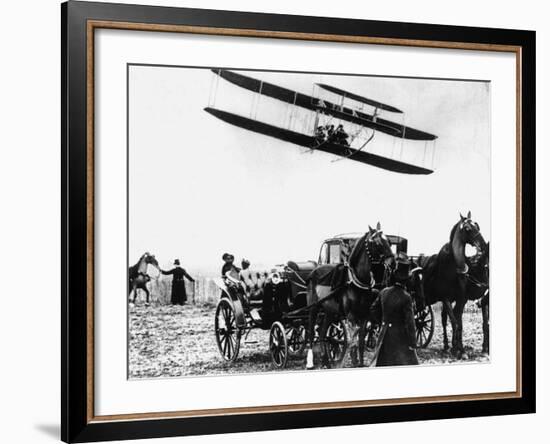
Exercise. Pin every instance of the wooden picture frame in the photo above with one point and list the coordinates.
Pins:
(79, 22)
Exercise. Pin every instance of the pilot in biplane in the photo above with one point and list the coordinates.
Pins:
(341, 136)
(330, 133)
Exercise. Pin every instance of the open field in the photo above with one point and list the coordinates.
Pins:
(168, 341)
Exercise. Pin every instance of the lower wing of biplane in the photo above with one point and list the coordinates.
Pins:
(310, 142)
(324, 107)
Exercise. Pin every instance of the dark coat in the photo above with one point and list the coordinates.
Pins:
(228, 266)
(397, 340)
(179, 296)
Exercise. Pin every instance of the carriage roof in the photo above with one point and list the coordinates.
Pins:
(352, 236)
(400, 241)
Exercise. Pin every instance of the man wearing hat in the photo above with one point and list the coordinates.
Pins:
(393, 310)
(229, 266)
(179, 295)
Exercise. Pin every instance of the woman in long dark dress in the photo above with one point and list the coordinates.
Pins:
(179, 296)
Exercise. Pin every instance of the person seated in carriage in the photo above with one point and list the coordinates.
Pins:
(230, 272)
(245, 264)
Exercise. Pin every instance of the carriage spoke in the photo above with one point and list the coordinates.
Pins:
(225, 348)
(231, 346)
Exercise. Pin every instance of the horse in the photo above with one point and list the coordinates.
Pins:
(346, 291)
(138, 277)
(446, 275)
(477, 289)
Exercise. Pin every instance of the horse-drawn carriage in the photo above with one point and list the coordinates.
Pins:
(337, 250)
(276, 300)
(273, 300)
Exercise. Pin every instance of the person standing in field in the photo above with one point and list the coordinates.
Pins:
(179, 295)
(393, 311)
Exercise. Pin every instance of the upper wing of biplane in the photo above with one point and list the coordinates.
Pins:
(358, 98)
(308, 102)
(310, 142)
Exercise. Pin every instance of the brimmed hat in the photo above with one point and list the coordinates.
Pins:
(176, 262)
(227, 256)
(402, 269)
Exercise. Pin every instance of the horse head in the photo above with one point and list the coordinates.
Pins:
(371, 248)
(469, 232)
(150, 259)
(378, 246)
(145, 260)
(465, 232)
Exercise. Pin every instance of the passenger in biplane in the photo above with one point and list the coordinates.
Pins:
(320, 135)
(341, 137)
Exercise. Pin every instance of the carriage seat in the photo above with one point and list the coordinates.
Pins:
(302, 269)
(254, 282)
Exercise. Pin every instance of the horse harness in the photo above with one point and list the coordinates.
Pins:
(354, 280)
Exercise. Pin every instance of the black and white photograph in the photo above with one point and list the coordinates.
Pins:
(274, 222)
(294, 221)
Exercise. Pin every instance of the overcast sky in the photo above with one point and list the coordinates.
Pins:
(200, 187)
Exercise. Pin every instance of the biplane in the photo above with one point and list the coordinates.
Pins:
(344, 148)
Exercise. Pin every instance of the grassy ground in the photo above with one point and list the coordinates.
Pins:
(168, 341)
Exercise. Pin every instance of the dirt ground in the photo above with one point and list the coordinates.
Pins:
(169, 341)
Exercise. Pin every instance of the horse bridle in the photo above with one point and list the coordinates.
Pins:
(353, 279)
(383, 257)
(478, 231)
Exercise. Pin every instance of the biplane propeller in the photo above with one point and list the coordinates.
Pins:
(325, 107)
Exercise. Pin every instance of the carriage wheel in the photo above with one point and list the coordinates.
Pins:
(278, 345)
(296, 337)
(228, 335)
(371, 336)
(424, 320)
(336, 342)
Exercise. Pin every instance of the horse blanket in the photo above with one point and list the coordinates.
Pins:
(325, 279)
